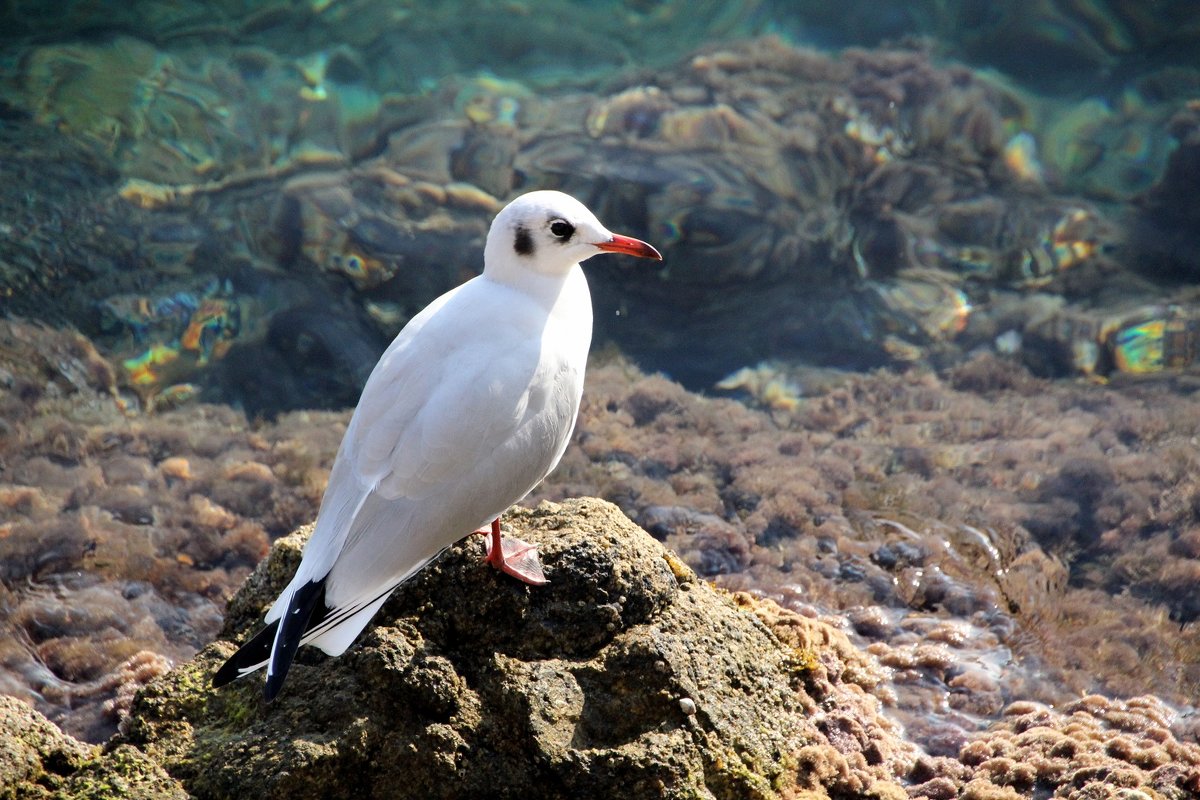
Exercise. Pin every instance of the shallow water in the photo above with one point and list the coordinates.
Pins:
(236, 205)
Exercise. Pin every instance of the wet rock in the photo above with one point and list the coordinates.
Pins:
(1164, 235)
(844, 525)
(789, 505)
(121, 536)
(1094, 747)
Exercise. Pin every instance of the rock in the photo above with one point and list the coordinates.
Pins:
(626, 675)
(1093, 747)
(124, 772)
(37, 760)
(35, 756)
(1163, 235)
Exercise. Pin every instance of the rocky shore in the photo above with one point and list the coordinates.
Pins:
(967, 572)
(627, 675)
(986, 535)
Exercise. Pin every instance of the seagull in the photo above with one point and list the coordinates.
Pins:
(468, 409)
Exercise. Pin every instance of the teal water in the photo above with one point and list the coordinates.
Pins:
(237, 204)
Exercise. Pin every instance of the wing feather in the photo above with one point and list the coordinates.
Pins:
(440, 441)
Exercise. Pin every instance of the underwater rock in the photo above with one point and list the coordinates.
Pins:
(1165, 239)
(376, 227)
(849, 210)
(362, 34)
(1050, 44)
(55, 238)
(1106, 149)
(163, 341)
(854, 210)
(171, 118)
(841, 210)
(624, 675)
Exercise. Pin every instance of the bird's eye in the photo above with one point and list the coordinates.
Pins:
(562, 229)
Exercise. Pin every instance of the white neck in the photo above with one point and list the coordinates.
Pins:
(546, 289)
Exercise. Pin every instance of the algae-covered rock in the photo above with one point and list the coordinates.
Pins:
(35, 756)
(123, 772)
(38, 760)
(624, 676)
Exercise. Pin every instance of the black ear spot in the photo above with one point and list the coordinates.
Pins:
(522, 241)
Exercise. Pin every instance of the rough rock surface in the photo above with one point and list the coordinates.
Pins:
(35, 756)
(626, 675)
(38, 760)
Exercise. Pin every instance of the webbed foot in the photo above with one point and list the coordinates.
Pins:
(513, 556)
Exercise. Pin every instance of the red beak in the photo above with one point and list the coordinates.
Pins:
(629, 246)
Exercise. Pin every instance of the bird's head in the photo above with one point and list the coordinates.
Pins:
(547, 233)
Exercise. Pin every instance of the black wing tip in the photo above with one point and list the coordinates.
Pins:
(306, 608)
(251, 654)
(227, 674)
(272, 686)
(295, 623)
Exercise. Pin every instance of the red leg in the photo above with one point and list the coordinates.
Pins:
(513, 556)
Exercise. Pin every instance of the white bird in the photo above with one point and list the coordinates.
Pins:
(470, 407)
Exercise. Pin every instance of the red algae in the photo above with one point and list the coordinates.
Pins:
(968, 524)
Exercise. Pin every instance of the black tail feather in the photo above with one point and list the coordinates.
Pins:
(307, 616)
(293, 625)
(248, 657)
